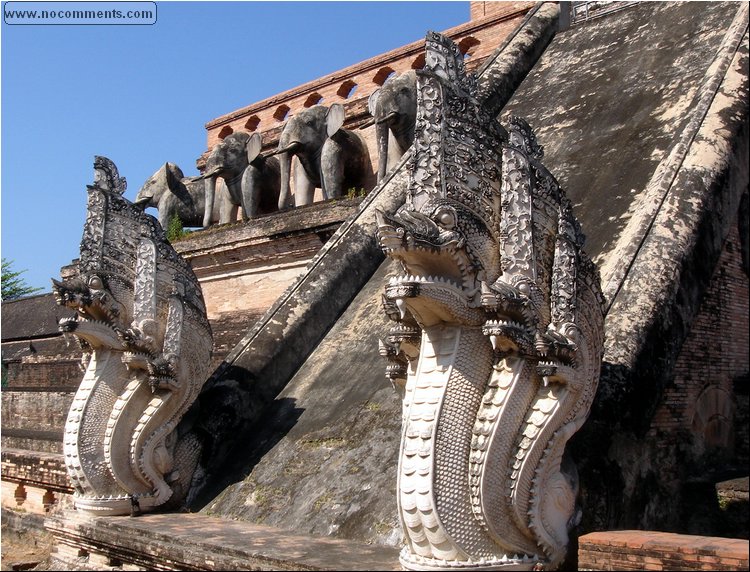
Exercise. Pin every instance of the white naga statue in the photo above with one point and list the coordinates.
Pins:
(142, 324)
(498, 338)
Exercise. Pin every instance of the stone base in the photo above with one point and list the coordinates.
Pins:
(516, 563)
(187, 541)
(649, 550)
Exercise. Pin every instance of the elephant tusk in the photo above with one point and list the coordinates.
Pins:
(291, 147)
(213, 172)
(387, 118)
(367, 123)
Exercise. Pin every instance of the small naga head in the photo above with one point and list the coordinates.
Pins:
(99, 317)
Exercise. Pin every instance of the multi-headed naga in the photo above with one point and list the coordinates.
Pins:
(141, 321)
(498, 338)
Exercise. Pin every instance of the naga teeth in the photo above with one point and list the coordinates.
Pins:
(401, 305)
(396, 280)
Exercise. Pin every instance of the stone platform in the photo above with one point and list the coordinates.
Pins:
(650, 550)
(187, 541)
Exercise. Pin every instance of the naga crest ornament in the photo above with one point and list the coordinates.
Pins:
(498, 335)
(142, 324)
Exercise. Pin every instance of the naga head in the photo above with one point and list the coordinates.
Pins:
(445, 253)
(99, 316)
(483, 225)
(446, 237)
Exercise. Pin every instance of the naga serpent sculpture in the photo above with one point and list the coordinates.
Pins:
(498, 338)
(142, 324)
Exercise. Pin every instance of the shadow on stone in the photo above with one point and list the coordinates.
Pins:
(233, 444)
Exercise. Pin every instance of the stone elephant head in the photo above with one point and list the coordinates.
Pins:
(344, 159)
(394, 111)
(302, 137)
(173, 194)
(252, 180)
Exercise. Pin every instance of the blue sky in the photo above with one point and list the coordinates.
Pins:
(141, 96)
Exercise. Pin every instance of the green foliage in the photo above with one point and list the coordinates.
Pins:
(13, 285)
(355, 192)
(175, 230)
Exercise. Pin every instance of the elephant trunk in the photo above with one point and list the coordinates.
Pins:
(144, 201)
(381, 133)
(285, 153)
(285, 168)
(210, 191)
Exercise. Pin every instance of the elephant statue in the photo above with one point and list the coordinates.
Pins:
(328, 157)
(302, 137)
(252, 180)
(394, 111)
(173, 194)
(344, 159)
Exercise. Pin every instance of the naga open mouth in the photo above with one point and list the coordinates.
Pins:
(98, 313)
(96, 332)
(429, 254)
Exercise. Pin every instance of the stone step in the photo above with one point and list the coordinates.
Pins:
(191, 541)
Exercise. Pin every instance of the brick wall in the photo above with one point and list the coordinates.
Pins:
(51, 365)
(36, 469)
(41, 370)
(640, 550)
(480, 10)
(665, 478)
(244, 268)
(30, 416)
(701, 399)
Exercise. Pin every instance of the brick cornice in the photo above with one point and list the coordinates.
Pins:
(512, 11)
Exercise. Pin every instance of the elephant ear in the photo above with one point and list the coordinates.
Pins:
(253, 147)
(335, 118)
(174, 175)
(372, 101)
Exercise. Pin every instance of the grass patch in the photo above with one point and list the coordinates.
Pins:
(322, 501)
(329, 443)
(263, 496)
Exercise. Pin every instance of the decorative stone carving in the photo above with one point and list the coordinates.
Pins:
(344, 160)
(141, 321)
(498, 338)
